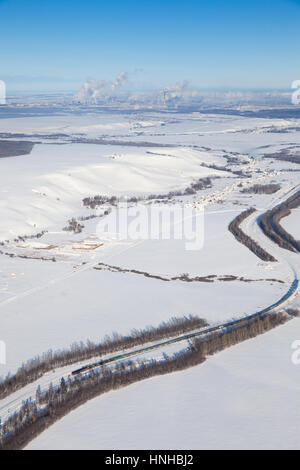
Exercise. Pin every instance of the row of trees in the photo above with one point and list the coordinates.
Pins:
(75, 225)
(36, 367)
(234, 228)
(23, 238)
(262, 189)
(270, 224)
(285, 156)
(240, 173)
(100, 200)
(184, 277)
(49, 406)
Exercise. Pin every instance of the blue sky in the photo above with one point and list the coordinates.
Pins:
(213, 44)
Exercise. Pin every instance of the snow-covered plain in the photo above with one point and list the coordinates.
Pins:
(44, 188)
(247, 397)
(49, 305)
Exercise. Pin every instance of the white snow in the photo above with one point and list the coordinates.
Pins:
(245, 397)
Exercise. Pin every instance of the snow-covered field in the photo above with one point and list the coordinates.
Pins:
(46, 187)
(247, 397)
(51, 295)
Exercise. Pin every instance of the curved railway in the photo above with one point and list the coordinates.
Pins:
(13, 402)
(292, 290)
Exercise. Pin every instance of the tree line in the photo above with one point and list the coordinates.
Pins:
(285, 156)
(270, 224)
(38, 366)
(252, 245)
(262, 189)
(51, 405)
(100, 200)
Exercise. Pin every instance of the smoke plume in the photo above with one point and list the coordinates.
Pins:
(93, 91)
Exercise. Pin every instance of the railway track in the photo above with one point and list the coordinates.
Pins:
(292, 290)
(203, 332)
(13, 402)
